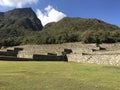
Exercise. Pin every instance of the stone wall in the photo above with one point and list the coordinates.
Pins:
(49, 57)
(72, 52)
(96, 59)
(29, 50)
(110, 55)
(113, 47)
(10, 52)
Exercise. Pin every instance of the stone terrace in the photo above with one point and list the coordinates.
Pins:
(72, 52)
(29, 50)
(109, 55)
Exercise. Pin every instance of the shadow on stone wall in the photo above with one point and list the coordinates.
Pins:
(11, 52)
(67, 51)
(35, 58)
(11, 55)
(14, 59)
(38, 57)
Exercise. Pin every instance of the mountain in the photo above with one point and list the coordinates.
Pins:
(80, 24)
(20, 12)
(16, 24)
(21, 26)
(18, 21)
(81, 29)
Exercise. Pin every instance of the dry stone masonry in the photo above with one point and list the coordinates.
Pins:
(105, 54)
(71, 52)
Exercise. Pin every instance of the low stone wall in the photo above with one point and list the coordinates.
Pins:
(25, 55)
(10, 52)
(14, 59)
(97, 59)
(73, 52)
(114, 46)
(102, 53)
(49, 58)
(29, 50)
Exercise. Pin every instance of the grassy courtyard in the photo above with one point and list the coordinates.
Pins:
(58, 76)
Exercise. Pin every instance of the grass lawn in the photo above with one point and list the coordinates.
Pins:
(58, 76)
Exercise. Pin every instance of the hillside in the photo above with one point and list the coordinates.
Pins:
(18, 21)
(21, 26)
(16, 24)
(81, 29)
(80, 24)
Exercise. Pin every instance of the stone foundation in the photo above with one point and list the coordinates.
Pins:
(72, 52)
(96, 59)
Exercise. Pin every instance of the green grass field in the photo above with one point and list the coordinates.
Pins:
(58, 76)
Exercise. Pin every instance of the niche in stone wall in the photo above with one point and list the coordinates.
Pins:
(52, 54)
(67, 51)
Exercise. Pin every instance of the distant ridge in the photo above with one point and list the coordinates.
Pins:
(81, 24)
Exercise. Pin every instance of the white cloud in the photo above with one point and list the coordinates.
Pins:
(16, 3)
(49, 15)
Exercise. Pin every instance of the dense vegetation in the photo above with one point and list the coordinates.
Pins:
(76, 30)
(81, 29)
(21, 26)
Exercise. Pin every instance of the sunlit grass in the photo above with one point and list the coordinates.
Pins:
(58, 76)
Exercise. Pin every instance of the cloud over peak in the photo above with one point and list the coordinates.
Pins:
(50, 14)
(16, 3)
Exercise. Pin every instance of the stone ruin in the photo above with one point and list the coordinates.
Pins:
(71, 52)
(104, 54)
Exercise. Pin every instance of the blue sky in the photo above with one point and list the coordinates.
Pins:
(106, 10)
